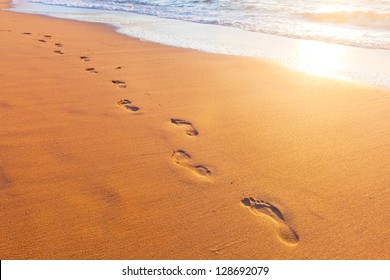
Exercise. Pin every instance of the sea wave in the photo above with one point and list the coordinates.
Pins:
(290, 18)
(357, 18)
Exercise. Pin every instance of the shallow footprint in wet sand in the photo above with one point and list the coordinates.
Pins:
(190, 130)
(264, 209)
(183, 158)
(125, 103)
(179, 156)
(91, 70)
(85, 58)
(121, 84)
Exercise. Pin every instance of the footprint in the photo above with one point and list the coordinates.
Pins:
(182, 158)
(85, 58)
(180, 155)
(47, 36)
(26, 33)
(58, 52)
(191, 131)
(118, 82)
(119, 67)
(42, 41)
(59, 45)
(264, 209)
(125, 103)
(202, 170)
(121, 84)
(91, 70)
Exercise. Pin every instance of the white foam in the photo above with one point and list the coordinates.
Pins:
(356, 23)
(315, 57)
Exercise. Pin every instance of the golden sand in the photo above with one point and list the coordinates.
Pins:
(114, 148)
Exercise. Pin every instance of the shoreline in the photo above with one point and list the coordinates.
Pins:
(114, 148)
(313, 57)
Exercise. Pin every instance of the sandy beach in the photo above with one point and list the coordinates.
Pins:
(115, 148)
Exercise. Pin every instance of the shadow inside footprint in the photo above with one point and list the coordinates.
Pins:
(117, 82)
(26, 33)
(191, 131)
(125, 103)
(58, 52)
(59, 45)
(121, 84)
(85, 58)
(201, 170)
(261, 208)
(42, 41)
(180, 155)
(91, 70)
(182, 158)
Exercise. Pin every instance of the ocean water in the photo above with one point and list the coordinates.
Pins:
(360, 23)
(342, 39)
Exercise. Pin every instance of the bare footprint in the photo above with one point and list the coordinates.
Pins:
(182, 158)
(58, 52)
(125, 103)
(190, 130)
(179, 156)
(47, 36)
(59, 45)
(202, 170)
(85, 58)
(264, 209)
(91, 70)
(121, 84)
(42, 41)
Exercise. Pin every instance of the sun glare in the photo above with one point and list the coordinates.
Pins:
(320, 58)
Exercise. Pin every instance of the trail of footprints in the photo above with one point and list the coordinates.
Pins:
(123, 103)
(181, 157)
(259, 208)
(45, 39)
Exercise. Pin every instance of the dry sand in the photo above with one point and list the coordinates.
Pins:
(225, 158)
